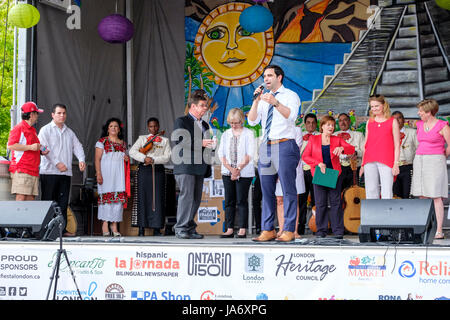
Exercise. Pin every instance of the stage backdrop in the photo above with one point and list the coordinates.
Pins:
(306, 40)
(335, 54)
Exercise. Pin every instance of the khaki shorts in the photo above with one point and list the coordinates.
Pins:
(23, 183)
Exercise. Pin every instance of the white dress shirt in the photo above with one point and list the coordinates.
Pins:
(408, 145)
(62, 144)
(281, 127)
(160, 153)
(357, 140)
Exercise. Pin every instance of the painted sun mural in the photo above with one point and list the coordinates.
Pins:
(306, 40)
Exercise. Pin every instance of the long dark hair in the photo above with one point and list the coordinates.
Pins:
(105, 128)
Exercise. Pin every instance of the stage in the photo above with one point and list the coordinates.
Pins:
(167, 268)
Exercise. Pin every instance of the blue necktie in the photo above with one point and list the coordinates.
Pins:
(269, 121)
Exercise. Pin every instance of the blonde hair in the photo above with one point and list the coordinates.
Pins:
(236, 114)
(429, 105)
(324, 120)
(382, 99)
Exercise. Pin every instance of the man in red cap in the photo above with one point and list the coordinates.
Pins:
(26, 150)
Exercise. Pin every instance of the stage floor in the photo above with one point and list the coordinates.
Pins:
(215, 240)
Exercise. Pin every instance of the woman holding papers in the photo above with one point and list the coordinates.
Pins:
(323, 151)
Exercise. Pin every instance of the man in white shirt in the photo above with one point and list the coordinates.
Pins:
(56, 167)
(408, 146)
(279, 153)
(356, 139)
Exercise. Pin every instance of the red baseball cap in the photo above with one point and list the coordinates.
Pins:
(30, 107)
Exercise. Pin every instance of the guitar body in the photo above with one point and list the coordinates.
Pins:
(352, 212)
(312, 221)
(72, 222)
(352, 199)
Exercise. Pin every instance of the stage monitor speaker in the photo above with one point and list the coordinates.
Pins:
(397, 220)
(32, 217)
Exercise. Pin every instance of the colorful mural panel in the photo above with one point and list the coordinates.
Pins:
(306, 40)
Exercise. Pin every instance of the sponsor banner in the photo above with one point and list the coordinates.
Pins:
(165, 272)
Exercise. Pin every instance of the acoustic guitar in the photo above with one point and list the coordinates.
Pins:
(312, 220)
(352, 199)
(72, 222)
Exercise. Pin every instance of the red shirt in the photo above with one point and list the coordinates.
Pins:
(313, 151)
(380, 143)
(24, 161)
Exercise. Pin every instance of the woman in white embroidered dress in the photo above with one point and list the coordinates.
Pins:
(110, 153)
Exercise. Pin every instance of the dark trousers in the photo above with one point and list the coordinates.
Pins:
(56, 187)
(236, 194)
(279, 161)
(256, 202)
(303, 200)
(146, 216)
(402, 185)
(334, 214)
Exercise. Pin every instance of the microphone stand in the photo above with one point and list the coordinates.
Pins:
(55, 273)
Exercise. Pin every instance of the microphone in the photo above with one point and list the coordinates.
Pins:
(257, 94)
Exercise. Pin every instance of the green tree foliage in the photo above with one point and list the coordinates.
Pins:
(6, 69)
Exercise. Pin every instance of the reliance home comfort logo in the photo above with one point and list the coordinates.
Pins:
(427, 272)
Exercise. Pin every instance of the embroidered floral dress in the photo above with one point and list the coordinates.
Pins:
(111, 194)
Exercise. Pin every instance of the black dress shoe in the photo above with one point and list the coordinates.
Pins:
(231, 235)
(183, 235)
(195, 235)
(141, 232)
(156, 232)
(320, 235)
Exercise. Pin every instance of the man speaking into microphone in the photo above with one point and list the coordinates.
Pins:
(279, 154)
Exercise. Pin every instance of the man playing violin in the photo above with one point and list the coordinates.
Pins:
(152, 152)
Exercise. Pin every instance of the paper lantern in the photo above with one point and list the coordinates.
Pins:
(256, 19)
(444, 4)
(260, 1)
(23, 15)
(115, 28)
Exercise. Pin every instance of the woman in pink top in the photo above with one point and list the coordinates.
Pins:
(430, 179)
(381, 150)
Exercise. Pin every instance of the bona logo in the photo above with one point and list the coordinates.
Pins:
(407, 269)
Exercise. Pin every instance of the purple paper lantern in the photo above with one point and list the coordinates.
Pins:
(115, 28)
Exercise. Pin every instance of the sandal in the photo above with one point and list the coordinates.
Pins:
(439, 235)
(116, 234)
(106, 234)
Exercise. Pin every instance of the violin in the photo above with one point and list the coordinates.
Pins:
(149, 144)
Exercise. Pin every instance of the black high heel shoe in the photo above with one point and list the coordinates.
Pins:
(241, 236)
(231, 235)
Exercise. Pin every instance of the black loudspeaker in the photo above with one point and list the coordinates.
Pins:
(397, 220)
(34, 218)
